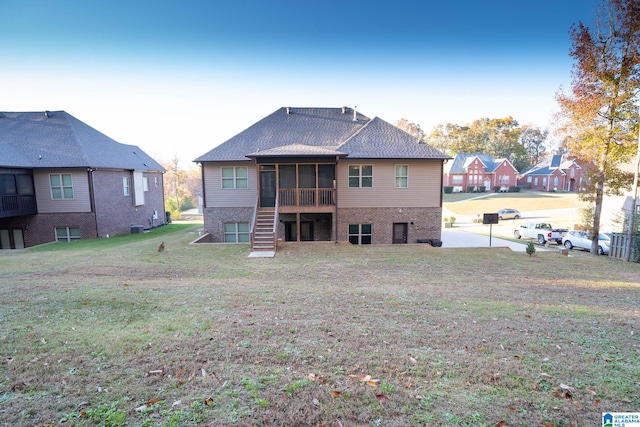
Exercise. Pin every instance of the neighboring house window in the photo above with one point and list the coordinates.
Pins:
(145, 183)
(504, 179)
(457, 179)
(572, 173)
(360, 234)
(544, 181)
(535, 181)
(236, 232)
(155, 180)
(67, 234)
(235, 177)
(555, 181)
(529, 179)
(402, 176)
(125, 185)
(360, 176)
(61, 186)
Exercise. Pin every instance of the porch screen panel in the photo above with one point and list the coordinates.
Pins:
(307, 176)
(287, 176)
(326, 176)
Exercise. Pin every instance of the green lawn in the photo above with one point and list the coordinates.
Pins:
(112, 332)
(525, 201)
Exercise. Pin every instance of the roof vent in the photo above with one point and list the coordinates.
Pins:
(344, 110)
(355, 117)
(47, 114)
(288, 110)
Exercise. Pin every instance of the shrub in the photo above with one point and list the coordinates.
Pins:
(470, 188)
(514, 189)
(482, 189)
(448, 189)
(531, 249)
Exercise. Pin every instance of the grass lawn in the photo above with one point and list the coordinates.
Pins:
(114, 333)
(525, 201)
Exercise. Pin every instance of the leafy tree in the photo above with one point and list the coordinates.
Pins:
(533, 140)
(598, 114)
(181, 187)
(496, 137)
(412, 128)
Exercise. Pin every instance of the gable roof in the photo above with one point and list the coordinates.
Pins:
(56, 139)
(321, 131)
(550, 165)
(461, 162)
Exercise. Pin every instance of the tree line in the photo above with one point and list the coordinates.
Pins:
(524, 146)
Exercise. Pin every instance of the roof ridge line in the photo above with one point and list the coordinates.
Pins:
(357, 132)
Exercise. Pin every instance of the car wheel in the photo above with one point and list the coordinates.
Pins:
(541, 239)
(600, 250)
(500, 218)
(516, 234)
(567, 244)
(516, 217)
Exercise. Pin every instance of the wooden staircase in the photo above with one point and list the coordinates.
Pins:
(264, 236)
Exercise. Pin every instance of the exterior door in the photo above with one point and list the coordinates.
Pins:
(306, 231)
(400, 232)
(11, 239)
(267, 188)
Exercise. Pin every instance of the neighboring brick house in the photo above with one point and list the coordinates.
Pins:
(60, 179)
(322, 174)
(475, 172)
(555, 173)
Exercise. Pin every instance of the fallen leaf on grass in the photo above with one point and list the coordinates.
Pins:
(315, 401)
(501, 423)
(140, 408)
(208, 401)
(373, 383)
(567, 387)
(153, 401)
(381, 398)
(336, 393)
(562, 394)
(311, 377)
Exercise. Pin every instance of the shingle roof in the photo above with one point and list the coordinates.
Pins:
(460, 163)
(331, 129)
(57, 139)
(548, 166)
(297, 150)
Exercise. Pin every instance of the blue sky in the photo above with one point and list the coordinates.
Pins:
(180, 77)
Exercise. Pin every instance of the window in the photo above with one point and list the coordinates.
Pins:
(360, 234)
(544, 180)
(67, 234)
(125, 185)
(402, 176)
(61, 186)
(555, 181)
(572, 173)
(235, 177)
(236, 232)
(145, 183)
(457, 179)
(535, 181)
(504, 179)
(155, 180)
(360, 176)
(529, 179)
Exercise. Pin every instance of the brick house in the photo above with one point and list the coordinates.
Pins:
(477, 171)
(552, 174)
(322, 174)
(62, 180)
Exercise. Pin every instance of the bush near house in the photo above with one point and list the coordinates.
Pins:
(514, 189)
(447, 189)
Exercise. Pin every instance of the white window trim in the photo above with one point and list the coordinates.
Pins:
(235, 178)
(360, 176)
(235, 233)
(359, 235)
(126, 186)
(69, 238)
(62, 186)
(406, 177)
(145, 183)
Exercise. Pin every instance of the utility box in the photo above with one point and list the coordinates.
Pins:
(137, 229)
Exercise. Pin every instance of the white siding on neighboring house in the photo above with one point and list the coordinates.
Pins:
(81, 198)
(216, 196)
(423, 190)
(138, 188)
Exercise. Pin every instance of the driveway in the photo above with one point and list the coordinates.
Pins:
(459, 238)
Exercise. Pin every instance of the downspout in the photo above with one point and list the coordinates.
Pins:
(92, 199)
(335, 176)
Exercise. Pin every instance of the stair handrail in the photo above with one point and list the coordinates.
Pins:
(253, 221)
(275, 223)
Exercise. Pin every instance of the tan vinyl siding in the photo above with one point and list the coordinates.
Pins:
(81, 198)
(216, 196)
(424, 185)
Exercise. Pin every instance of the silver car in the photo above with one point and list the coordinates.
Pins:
(509, 214)
(582, 240)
